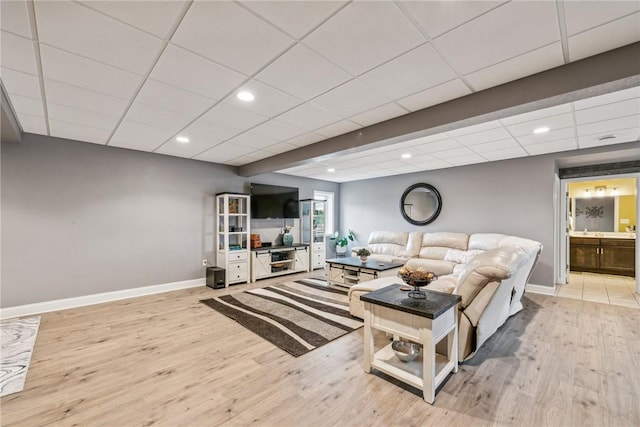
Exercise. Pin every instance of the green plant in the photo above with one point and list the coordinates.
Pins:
(344, 240)
(363, 252)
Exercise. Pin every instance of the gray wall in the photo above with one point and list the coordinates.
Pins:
(80, 219)
(511, 197)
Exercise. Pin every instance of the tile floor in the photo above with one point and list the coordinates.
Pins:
(602, 288)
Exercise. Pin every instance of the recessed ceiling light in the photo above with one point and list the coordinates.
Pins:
(331, 170)
(406, 156)
(183, 139)
(245, 96)
(542, 129)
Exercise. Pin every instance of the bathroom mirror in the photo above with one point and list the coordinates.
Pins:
(420, 204)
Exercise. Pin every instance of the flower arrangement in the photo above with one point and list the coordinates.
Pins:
(416, 276)
(363, 252)
(286, 228)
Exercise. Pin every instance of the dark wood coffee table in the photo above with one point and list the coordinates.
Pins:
(350, 271)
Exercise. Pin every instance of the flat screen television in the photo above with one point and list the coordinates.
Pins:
(274, 201)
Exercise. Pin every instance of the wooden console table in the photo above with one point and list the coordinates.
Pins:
(423, 321)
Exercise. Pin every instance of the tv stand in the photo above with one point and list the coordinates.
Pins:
(278, 260)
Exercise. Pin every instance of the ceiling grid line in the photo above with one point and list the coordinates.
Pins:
(564, 38)
(38, 58)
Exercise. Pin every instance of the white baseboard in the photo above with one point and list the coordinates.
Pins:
(63, 304)
(539, 289)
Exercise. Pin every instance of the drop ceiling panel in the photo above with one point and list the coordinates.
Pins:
(338, 128)
(194, 73)
(435, 17)
(442, 145)
(19, 83)
(608, 98)
(474, 129)
(379, 114)
(507, 153)
(451, 153)
(484, 136)
(347, 38)
(209, 133)
(552, 135)
(194, 147)
(281, 147)
(553, 122)
(306, 139)
(77, 131)
(103, 38)
(14, 17)
(603, 127)
(84, 99)
(296, 18)
(538, 60)
(622, 135)
(23, 104)
(155, 17)
(537, 114)
(249, 140)
(32, 124)
(78, 71)
(268, 101)
(552, 147)
(18, 53)
(505, 32)
(225, 151)
(303, 73)
(470, 159)
(435, 95)
(228, 34)
(156, 117)
(584, 15)
(608, 111)
(309, 117)
(495, 145)
(606, 37)
(414, 71)
(82, 117)
(170, 98)
(139, 136)
(351, 98)
(227, 114)
(277, 130)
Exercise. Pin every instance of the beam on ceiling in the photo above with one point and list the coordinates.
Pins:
(10, 130)
(610, 71)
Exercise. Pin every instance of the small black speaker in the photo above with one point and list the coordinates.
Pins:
(215, 277)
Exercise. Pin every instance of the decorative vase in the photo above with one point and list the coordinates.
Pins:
(341, 249)
(363, 259)
(287, 239)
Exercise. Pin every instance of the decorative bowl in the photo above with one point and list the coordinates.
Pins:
(405, 351)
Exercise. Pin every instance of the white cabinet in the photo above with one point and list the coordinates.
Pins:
(277, 261)
(312, 224)
(232, 236)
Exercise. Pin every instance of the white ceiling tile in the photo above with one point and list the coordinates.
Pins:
(451, 153)
(32, 124)
(351, 98)
(25, 105)
(296, 18)
(505, 32)
(338, 128)
(379, 114)
(507, 153)
(469, 159)
(155, 17)
(442, 145)
(170, 98)
(19, 83)
(268, 101)
(303, 73)
(538, 60)
(195, 146)
(584, 15)
(608, 111)
(603, 127)
(480, 127)
(306, 139)
(495, 145)
(139, 136)
(309, 117)
(622, 136)
(280, 147)
(17, 53)
(14, 16)
(537, 114)
(63, 113)
(78, 132)
(253, 141)
(435, 95)
(606, 37)
(608, 98)
(364, 35)
(428, 139)
(84, 99)
(156, 117)
(437, 17)
(276, 130)
(414, 71)
(211, 133)
(553, 122)
(78, 71)
(188, 71)
(552, 147)
(484, 136)
(103, 38)
(552, 135)
(226, 114)
(224, 152)
(228, 34)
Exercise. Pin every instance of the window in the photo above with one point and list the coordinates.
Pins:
(328, 196)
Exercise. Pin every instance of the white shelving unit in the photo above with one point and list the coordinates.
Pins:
(233, 224)
(313, 226)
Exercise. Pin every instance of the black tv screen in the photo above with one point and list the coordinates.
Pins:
(274, 201)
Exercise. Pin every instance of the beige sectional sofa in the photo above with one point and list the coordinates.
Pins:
(489, 270)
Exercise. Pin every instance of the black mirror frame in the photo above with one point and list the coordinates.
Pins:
(438, 207)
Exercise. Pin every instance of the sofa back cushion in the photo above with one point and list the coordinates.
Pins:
(436, 245)
(388, 242)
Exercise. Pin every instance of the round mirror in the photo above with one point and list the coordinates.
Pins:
(420, 204)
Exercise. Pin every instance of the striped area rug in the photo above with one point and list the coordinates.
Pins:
(295, 316)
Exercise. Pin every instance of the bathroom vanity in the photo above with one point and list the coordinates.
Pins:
(608, 253)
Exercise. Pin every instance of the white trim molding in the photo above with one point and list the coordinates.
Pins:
(63, 304)
(540, 289)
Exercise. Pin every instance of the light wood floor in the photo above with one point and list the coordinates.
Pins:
(602, 288)
(167, 360)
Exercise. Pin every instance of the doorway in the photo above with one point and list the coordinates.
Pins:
(599, 254)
